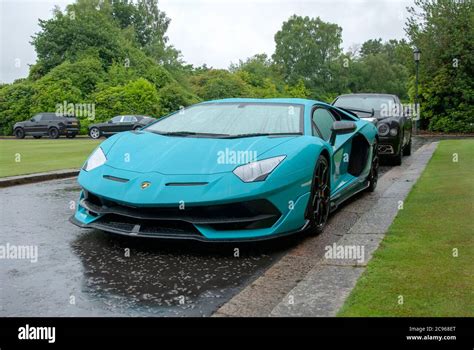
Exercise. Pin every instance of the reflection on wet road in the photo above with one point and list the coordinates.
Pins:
(88, 272)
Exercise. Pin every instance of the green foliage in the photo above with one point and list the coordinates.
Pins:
(115, 53)
(15, 102)
(219, 83)
(137, 97)
(374, 73)
(173, 96)
(81, 27)
(305, 48)
(444, 32)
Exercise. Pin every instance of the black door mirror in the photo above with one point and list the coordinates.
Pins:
(341, 127)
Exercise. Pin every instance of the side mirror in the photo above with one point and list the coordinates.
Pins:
(341, 127)
(110, 122)
(32, 120)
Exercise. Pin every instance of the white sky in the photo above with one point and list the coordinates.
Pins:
(215, 32)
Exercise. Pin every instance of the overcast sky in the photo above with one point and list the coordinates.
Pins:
(215, 32)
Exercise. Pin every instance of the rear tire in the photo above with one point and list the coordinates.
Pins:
(53, 133)
(94, 133)
(374, 170)
(319, 202)
(19, 133)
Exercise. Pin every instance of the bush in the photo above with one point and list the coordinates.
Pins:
(15, 102)
(173, 97)
(137, 97)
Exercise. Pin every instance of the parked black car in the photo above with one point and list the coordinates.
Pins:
(118, 124)
(393, 124)
(47, 124)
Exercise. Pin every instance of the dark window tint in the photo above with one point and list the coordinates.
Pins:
(323, 120)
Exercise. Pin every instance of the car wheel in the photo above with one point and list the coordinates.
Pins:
(407, 149)
(19, 133)
(374, 170)
(94, 133)
(397, 159)
(37, 137)
(53, 133)
(319, 203)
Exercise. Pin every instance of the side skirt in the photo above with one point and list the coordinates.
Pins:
(352, 192)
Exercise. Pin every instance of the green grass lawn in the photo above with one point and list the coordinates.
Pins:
(37, 156)
(415, 260)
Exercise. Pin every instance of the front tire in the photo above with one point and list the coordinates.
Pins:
(53, 133)
(397, 159)
(19, 133)
(94, 133)
(407, 149)
(319, 203)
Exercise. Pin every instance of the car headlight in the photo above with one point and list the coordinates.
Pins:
(95, 160)
(393, 132)
(259, 170)
(383, 129)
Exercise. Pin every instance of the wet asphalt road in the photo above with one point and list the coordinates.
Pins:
(91, 273)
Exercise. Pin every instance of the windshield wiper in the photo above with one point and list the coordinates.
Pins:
(187, 133)
(262, 134)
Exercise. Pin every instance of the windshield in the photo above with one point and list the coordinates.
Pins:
(233, 119)
(365, 102)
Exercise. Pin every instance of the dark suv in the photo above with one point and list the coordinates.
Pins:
(47, 124)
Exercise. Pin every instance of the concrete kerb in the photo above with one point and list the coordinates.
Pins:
(38, 177)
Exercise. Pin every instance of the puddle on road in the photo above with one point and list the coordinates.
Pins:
(165, 278)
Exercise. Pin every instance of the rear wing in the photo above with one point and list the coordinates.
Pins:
(352, 111)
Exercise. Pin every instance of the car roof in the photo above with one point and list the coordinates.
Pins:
(368, 95)
(302, 101)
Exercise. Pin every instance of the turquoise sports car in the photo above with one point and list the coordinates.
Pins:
(227, 170)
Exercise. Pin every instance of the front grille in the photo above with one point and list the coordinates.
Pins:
(253, 214)
(145, 227)
(385, 149)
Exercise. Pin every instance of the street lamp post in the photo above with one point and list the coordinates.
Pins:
(416, 56)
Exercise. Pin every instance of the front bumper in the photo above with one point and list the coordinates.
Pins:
(69, 130)
(216, 207)
(389, 146)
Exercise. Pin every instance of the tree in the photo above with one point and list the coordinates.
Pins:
(443, 30)
(219, 83)
(372, 47)
(305, 49)
(82, 27)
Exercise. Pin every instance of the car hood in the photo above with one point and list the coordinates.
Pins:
(147, 152)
